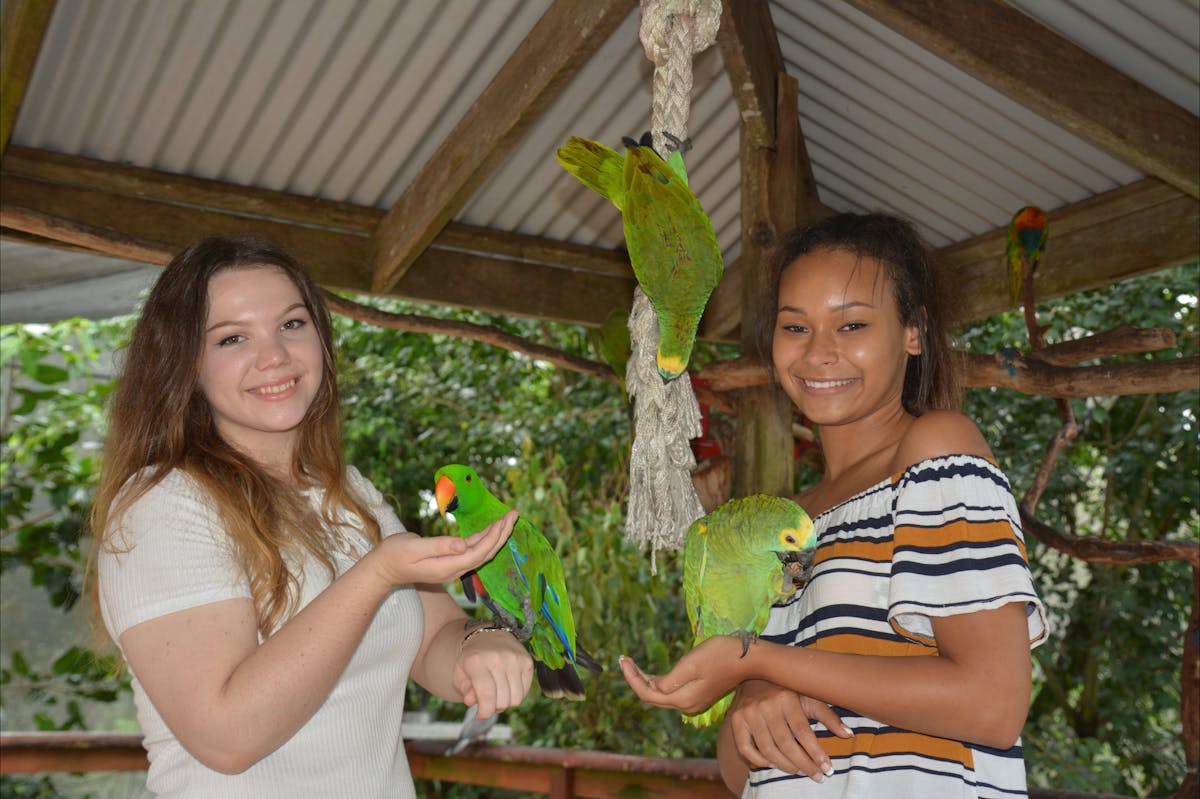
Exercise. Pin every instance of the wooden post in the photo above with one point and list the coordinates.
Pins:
(771, 147)
(763, 456)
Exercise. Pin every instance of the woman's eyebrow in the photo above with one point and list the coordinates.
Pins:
(843, 307)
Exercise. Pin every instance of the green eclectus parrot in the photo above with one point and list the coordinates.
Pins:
(1027, 234)
(672, 246)
(738, 561)
(523, 585)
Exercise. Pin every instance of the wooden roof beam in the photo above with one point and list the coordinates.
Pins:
(1018, 56)
(1131, 230)
(560, 43)
(22, 29)
(518, 274)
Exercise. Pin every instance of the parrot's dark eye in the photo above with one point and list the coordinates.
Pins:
(468, 478)
(791, 539)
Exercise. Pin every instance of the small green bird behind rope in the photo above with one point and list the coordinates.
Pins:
(738, 561)
(523, 585)
(672, 246)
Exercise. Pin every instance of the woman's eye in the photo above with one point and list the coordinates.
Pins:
(294, 324)
(854, 326)
(229, 340)
(794, 328)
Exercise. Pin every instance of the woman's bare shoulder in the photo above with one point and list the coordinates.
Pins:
(938, 433)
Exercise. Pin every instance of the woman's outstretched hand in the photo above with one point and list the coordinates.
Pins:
(771, 727)
(701, 677)
(408, 558)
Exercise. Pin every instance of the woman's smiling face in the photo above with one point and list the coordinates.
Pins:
(839, 348)
(261, 362)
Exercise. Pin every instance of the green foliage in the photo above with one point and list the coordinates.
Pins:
(76, 674)
(20, 787)
(53, 415)
(1105, 715)
(414, 402)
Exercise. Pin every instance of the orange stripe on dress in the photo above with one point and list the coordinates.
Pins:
(851, 644)
(957, 532)
(875, 552)
(899, 743)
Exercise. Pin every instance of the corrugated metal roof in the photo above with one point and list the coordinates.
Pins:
(348, 100)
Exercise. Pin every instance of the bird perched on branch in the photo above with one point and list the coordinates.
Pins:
(672, 246)
(1028, 231)
(523, 585)
(738, 561)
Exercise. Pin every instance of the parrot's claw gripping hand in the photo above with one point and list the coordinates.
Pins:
(524, 632)
(746, 637)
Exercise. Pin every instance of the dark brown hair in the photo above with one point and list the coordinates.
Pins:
(929, 380)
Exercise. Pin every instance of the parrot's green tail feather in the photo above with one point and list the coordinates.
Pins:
(596, 166)
(711, 716)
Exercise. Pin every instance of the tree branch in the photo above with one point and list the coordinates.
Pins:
(1094, 550)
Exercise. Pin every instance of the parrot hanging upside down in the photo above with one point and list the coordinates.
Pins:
(672, 246)
(523, 585)
(1027, 234)
(738, 561)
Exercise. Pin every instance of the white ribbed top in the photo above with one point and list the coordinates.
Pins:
(172, 554)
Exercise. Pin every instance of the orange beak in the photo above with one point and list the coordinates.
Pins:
(446, 494)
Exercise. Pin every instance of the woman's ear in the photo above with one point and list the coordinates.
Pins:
(914, 334)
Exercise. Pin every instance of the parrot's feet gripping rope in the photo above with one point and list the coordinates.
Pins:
(675, 144)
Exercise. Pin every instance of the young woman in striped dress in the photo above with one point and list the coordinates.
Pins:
(902, 669)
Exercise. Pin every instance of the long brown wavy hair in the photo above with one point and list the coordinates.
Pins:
(159, 421)
(930, 382)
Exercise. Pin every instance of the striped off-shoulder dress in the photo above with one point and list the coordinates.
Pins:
(941, 538)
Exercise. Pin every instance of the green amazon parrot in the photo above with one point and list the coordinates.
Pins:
(672, 246)
(738, 561)
(613, 342)
(523, 585)
(1027, 234)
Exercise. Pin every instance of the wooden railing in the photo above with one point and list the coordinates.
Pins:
(559, 773)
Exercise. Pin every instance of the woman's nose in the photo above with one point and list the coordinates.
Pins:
(822, 349)
(272, 353)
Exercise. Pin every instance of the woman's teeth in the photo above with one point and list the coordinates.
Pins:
(277, 389)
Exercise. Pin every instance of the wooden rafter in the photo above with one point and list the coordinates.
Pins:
(523, 275)
(1020, 57)
(22, 29)
(1128, 231)
(1138, 228)
(559, 45)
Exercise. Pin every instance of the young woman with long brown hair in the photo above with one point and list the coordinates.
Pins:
(266, 598)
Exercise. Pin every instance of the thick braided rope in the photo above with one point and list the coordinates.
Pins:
(662, 499)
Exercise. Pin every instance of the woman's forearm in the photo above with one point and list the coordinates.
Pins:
(975, 689)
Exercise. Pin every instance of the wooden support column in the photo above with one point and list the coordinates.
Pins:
(770, 145)
(763, 461)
